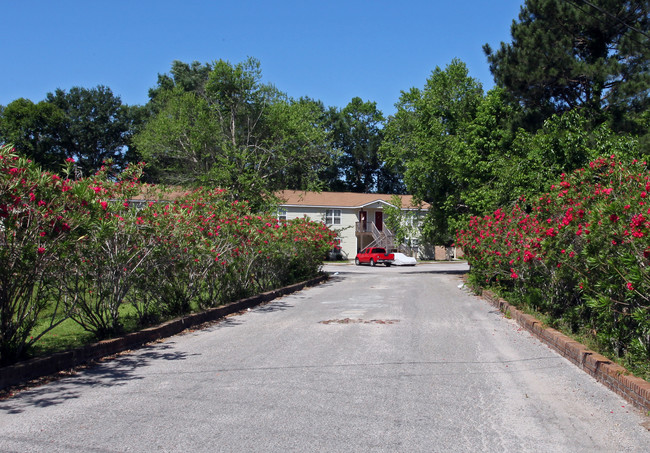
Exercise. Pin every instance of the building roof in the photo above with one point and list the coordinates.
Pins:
(295, 198)
(152, 192)
(343, 199)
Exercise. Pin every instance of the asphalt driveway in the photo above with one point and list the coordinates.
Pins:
(376, 359)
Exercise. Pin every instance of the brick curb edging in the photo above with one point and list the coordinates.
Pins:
(45, 366)
(615, 377)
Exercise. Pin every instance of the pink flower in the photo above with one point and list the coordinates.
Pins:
(41, 250)
(104, 205)
(630, 287)
(70, 159)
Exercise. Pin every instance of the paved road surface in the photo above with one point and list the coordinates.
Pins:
(376, 359)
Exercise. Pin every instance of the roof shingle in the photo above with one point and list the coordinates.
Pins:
(342, 199)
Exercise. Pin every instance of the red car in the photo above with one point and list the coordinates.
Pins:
(374, 255)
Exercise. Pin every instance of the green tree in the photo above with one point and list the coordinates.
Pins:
(568, 54)
(565, 143)
(33, 129)
(356, 132)
(96, 126)
(188, 77)
(239, 134)
(405, 224)
(301, 132)
(477, 161)
(424, 138)
(179, 142)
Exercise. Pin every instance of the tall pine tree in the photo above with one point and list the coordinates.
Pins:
(567, 54)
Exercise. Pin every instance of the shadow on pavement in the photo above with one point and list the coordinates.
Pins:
(226, 322)
(403, 271)
(277, 305)
(106, 373)
(440, 271)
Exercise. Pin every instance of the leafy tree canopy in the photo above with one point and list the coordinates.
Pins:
(234, 132)
(356, 133)
(187, 77)
(33, 129)
(459, 153)
(89, 125)
(97, 126)
(565, 143)
(425, 137)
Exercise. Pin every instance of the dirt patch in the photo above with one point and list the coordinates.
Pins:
(359, 321)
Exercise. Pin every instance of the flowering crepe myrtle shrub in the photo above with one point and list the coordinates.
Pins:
(579, 252)
(112, 255)
(256, 252)
(78, 249)
(212, 250)
(189, 257)
(41, 216)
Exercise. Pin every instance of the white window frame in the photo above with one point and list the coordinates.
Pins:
(333, 217)
(282, 215)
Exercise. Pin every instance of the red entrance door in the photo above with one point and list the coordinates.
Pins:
(379, 220)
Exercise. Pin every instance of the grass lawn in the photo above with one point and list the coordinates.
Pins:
(69, 334)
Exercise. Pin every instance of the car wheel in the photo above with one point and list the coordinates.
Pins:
(356, 261)
(372, 262)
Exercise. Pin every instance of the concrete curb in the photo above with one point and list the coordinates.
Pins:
(615, 377)
(45, 366)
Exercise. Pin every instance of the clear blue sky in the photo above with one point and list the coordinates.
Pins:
(331, 50)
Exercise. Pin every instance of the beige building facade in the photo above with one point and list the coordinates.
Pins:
(358, 218)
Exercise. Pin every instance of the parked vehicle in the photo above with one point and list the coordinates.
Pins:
(402, 260)
(334, 254)
(374, 255)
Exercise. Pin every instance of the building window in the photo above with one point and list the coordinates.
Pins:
(333, 217)
(282, 214)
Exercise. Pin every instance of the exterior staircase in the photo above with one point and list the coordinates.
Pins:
(384, 238)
